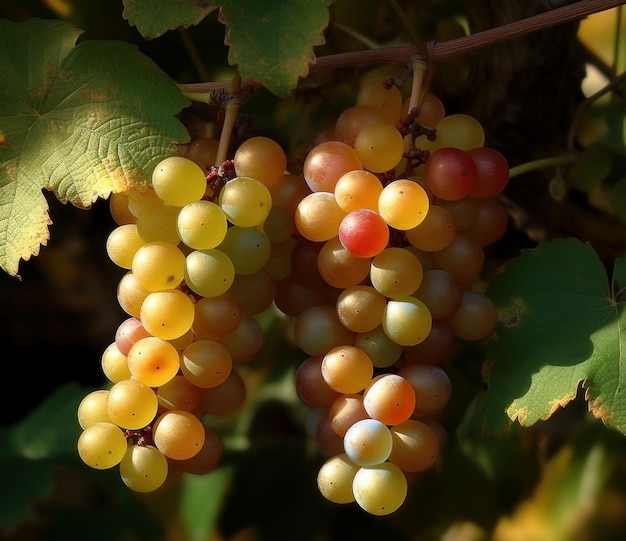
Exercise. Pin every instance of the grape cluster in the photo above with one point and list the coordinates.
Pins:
(197, 251)
(384, 285)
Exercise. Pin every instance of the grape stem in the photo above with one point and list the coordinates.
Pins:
(437, 51)
(553, 161)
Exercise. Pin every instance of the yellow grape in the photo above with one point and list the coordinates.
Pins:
(122, 244)
(131, 294)
(209, 273)
(178, 434)
(396, 272)
(407, 321)
(403, 204)
(358, 189)
(158, 265)
(102, 445)
(261, 158)
(153, 361)
(178, 181)
(318, 216)
(460, 130)
(335, 477)
(206, 363)
(114, 364)
(368, 442)
(379, 147)
(201, 225)
(347, 369)
(380, 489)
(92, 409)
(167, 314)
(131, 404)
(245, 201)
(143, 468)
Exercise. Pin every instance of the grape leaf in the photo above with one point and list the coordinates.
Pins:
(155, 17)
(272, 41)
(81, 120)
(560, 325)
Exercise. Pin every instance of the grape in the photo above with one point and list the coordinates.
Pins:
(203, 151)
(114, 364)
(439, 347)
(261, 158)
(346, 410)
(206, 363)
(431, 111)
(381, 349)
(435, 232)
(143, 468)
(167, 314)
(368, 442)
(451, 173)
(246, 341)
(353, 119)
(358, 189)
(326, 163)
(335, 477)
(475, 318)
(460, 131)
(360, 308)
(318, 329)
(158, 265)
(224, 399)
(128, 332)
(406, 321)
(327, 439)
(347, 369)
(493, 171)
(364, 233)
(379, 147)
(178, 181)
(373, 93)
(122, 244)
(178, 434)
(206, 459)
(415, 446)
(403, 204)
(131, 404)
(157, 221)
(209, 273)
(201, 225)
(432, 388)
(490, 222)
(339, 267)
(279, 225)
(380, 489)
(440, 292)
(463, 211)
(318, 216)
(289, 192)
(130, 294)
(311, 387)
(102, 445)
(396, 272)
(248, 248)
(463, 258)
(246, 202)
(92, 409)
(178, 394)
(153, 361)
(215, 317)
(389, 398)
(118, 207)
(255, 292)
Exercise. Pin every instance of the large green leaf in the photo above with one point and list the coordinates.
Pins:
(560, 323)
(272, 41)
(155, 17)
(81, 120)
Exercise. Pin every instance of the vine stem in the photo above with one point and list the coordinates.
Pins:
(443, 50)
(230, 117)
(553, 161)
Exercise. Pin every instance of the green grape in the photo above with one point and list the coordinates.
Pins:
(158, 265)
(178, 434)
(206, 363)
(114, 364)
(201, 225)
(460, 131)
(335, 478)
(248, 248)
(167, 314)
(403, 204)
(406, 321)
(178, 181)
(381, 489)
(102, 445)
(246, 202)
(368, 442)
(415, 446)
(360, 308)
(379, 147)
(396, 272)
(347, 369)
(122, 244)
(381, 349)
(209, 273)
(131, 404)
(318, 217)
(261, 158)
(143, 468)
(92, 409)
(153, 361)
(157, 221)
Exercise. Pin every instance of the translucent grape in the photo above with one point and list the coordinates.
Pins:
(432, 387)
(396, 272)
(490, 223)
(346, 410)
(206, 363)
(435, 232)
(226, 398)
(347, 369)
(440, 292)
(143, 468)
(311, 387)
(178, 394)
(403, 204)
(114, 364)
(128, 332)
(215, 317)
(475, 317)
(92, 409)
(415, 446)
(167, 314)
(353, 119)
(246, 341)
(178, 181)
(386, 98)
(209, 273)
(389, 398)
(279, 225)
(335, 478)
(261, 158)
(381, 349)
(158, 265)
(327, 162)
(451, 173)
(460, 131)
(317, 330)
(364, 233)
(102, 445)
(368, 442)
(358, 189)
(464, 258)
(201, 225)
(203, 151)
(246, 202)
(379, 147)
(380, 489)
(130, 294)
(156, 221)
(255, 292)
(248, 248)
(493, 171)
(153, 361)
(131, 404)
(318, 217)
(360, 308)
(339, 267)
(122, 244)
(206, 459)
(178, 434)
(407, 321)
